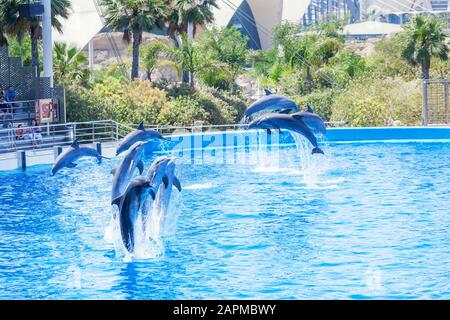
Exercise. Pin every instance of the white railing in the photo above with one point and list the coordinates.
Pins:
(50, 135)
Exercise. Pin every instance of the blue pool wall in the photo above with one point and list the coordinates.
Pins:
(183, 142)
(243, 138)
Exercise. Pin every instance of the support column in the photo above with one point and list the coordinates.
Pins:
(47, 41)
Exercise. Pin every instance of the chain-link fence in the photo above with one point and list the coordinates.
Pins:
(436, 102)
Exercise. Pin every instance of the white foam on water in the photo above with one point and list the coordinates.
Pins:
(289, 171)
(199, 186)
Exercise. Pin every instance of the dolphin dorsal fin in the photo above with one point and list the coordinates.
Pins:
(309, 109)
(141, 126)
(267, 92)
(75, 144)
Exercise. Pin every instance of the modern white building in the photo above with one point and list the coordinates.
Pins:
(257, 18)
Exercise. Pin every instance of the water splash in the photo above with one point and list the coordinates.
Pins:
(157, 219)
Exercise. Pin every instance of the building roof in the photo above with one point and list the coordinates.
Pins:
(371, 28)
(81, 26)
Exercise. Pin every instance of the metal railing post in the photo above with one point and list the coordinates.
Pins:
(425, 103)
(93, 131)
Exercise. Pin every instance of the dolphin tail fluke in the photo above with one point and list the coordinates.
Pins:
(317, 150)
(177, 183)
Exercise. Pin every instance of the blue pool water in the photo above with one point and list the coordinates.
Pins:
(366, 221)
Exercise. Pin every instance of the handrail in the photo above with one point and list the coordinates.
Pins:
(89, 132)
(17, 101)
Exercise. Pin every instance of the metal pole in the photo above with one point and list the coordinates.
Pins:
(446, 101)
(425, 103)
(91, 54)
(47, 41)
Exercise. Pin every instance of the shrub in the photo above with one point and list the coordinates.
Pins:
(320, 101)
(112, 99)
(378, 102)
(183, 111)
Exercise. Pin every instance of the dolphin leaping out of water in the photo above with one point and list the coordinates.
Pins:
(284, 121)
(129, 206)
(140, 134)
(312, 120)
(67, 158)
(125, 170)
(271, 102)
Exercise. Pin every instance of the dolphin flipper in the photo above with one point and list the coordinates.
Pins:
(166, 181)
(140, 166)
(71, 165)
(177, 183)
(116, 201)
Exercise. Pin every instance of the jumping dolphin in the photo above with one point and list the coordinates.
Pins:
(67, 158)
(271, 102)
(312, 120)
(165, 190)
(288, 122)
(158, 174)
(124, 172)
(140, 134)
(129, 206)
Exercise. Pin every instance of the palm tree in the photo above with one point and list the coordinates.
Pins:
(18, 26)
(424, 38)
(133, 17)
(68, 64)
(183, 12)
(158, 54)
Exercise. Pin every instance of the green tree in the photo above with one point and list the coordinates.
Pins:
(189, 57)
(183, 12)
(157, 54)
(228, 46)
(133, 17)
(18, 26)
(68, 64)
(425, 38)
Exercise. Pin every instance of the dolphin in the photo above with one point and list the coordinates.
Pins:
(312, 120)
(156, 174)
(170, 180)
(67, 158)
(140, 134)
(288, 122)
(271, 102)
(124, 172)
(129, 205)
